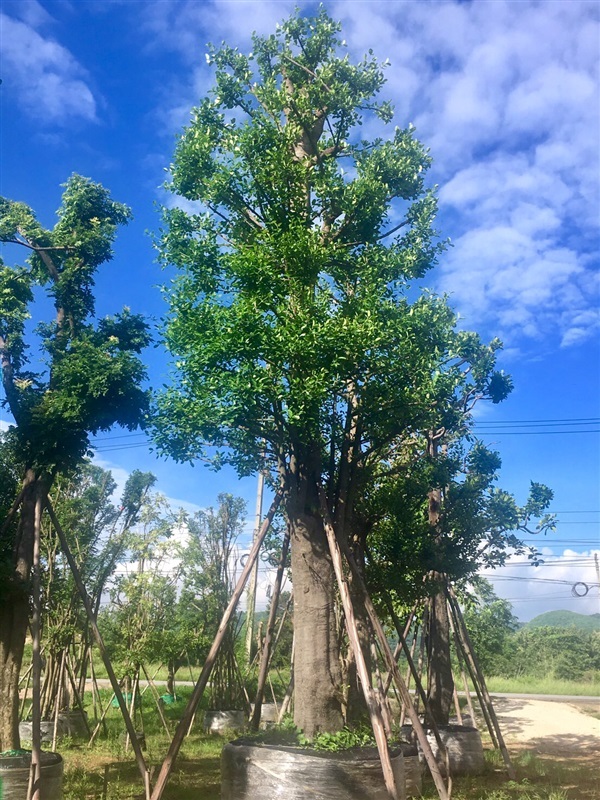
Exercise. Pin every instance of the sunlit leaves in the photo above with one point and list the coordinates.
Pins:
(93, 374)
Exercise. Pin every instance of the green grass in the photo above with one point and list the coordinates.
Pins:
(538, 778)
(196, 775)
(531, 685)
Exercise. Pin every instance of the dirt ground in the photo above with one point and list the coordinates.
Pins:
(550, 728)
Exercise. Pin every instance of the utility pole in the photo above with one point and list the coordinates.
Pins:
(251, 602)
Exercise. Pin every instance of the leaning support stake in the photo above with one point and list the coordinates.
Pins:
(443, 792)
(139, 757)
(35, 773)
(371, 698)
(268, 645)
(472, 659)
(190, 709)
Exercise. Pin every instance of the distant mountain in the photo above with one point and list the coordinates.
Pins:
(565, 619)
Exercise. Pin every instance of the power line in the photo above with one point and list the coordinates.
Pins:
(535, 421)
(570, 562)
(529, 579)
(535, 433)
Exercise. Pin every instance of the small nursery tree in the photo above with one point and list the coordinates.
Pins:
(209, 566)
(143, 593)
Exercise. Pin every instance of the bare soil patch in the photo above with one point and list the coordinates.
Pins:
(549, 728)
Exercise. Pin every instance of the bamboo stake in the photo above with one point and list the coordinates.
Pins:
(29, 674)
(95, 690)
(417, 674)
(469, 703)
(134, 687)
(413, 647)
(78, 700)
(371, 699)
(398, 648)
(33, 789)
(443, 792)
(379, 689)
(190, 709)
(26, 674)
(290, 689)
(139, 756)
(265, 659)
(59, 697)
(251, 601)
(154, 690)
(101, 720)
(474, 679)
(470, 655)
(457, 703)
(459, 656)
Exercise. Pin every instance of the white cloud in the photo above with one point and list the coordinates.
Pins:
(506, 95)
(42, 75)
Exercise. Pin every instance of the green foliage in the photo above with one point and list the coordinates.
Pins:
(288, 299)
(342, 740)
(565, 619)
(565, 653)
(490, 623)
(92, 373)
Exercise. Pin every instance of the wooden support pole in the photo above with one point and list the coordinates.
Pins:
(267, 649)
(156, 696)
(457, 703)
(287, 700)
(413, 647)
(398, 648)
(471, 657)
(371, 699)
(416, 674)
(59, 697)
(196, 695)
(139, 757)
(33, 789)
(462, 648)
(29, 675)
(443, 792)
(78, 699)
(251, 600)
(101, 720)
(459, 658)
(379, 689)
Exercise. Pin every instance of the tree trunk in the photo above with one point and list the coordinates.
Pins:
(440, 682)
(171, 677)
(317, 673)
(14, 616)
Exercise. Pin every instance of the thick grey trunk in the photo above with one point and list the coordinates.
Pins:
(317, 673)
(440, 688)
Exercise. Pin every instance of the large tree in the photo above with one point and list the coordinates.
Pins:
(295, 344)
(82, 376)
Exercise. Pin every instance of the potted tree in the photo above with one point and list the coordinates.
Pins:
(89, 383)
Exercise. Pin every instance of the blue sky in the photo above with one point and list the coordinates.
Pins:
(506, 96)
